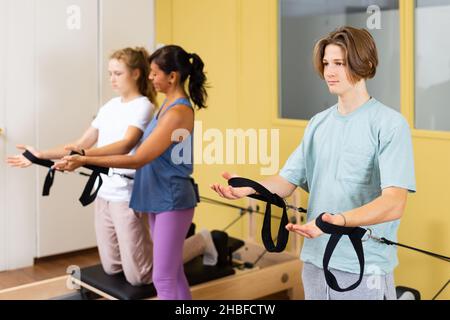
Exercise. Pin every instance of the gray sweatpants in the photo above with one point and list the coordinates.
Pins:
(372, 287)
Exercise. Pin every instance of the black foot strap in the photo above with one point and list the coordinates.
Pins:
(87, 197)
(355, 235)
(270, 198)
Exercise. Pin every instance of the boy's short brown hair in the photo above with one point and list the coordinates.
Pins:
(360, 52)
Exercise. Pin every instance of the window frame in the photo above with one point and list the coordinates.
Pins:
(407, 72)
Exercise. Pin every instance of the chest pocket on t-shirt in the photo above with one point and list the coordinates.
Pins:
(355, 167)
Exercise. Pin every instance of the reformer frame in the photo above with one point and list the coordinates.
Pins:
(273, 273)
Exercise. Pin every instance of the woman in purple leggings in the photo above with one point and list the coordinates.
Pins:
(163, 187)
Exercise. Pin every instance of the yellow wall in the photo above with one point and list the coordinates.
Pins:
(238, 41)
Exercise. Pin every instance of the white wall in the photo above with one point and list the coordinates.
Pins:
(139, 30)
(18, 207)
(53, 80)
(3, 14)
(67, 98)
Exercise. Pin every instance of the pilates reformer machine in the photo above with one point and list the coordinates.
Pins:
(235, 280)
(250, 271)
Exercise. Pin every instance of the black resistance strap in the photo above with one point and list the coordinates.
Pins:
(355, 235)
(50, 177)
(270, 198)
(87, 197)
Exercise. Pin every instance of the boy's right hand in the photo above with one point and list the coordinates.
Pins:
(229, 192)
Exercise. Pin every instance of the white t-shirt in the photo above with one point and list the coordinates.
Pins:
(112, 122)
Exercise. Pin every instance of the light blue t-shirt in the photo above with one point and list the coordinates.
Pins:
(344, 162)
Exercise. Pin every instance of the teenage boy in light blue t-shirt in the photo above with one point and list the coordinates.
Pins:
(356, 162)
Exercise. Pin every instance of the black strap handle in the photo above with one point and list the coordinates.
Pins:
(87, 196)
(50, 177)
(98, 169)
(42, 162)
(270, 198)
(48, 182)
(355, 234)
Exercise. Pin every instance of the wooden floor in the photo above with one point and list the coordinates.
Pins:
(47, 268)
(56, 266)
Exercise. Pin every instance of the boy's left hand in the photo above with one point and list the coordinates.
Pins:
(310, 230)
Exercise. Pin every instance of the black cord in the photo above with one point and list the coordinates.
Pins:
(432, 254)
(440, 291)
(235, 220)
(261, 255)
(212, 201)
(300, 209)
(243, 210)
(83, 174)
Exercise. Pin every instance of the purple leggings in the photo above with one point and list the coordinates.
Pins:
(169, 230)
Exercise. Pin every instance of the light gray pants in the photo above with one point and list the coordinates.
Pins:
(372, 287)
